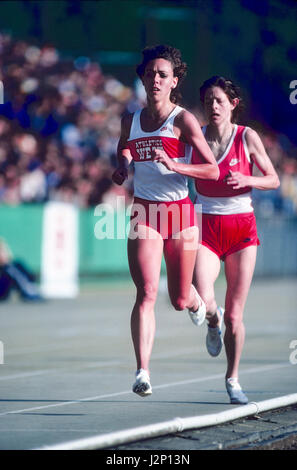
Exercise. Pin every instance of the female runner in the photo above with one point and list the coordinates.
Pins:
(229, 231)
(162, 132)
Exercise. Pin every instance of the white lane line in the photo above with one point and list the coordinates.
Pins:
(64, 403)
(23, 375)
(156, 387)
(94, 365)
(39, 349)
(50, 348)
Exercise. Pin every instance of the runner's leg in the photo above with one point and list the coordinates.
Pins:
(145, 256)
(207, 269)
(239, 269)
(180, 255)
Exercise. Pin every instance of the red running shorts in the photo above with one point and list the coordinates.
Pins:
(168, 218)
(226, 234)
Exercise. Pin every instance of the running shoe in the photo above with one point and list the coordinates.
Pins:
(142, 384)
(198, 317)
(237, 397)
(214, 340)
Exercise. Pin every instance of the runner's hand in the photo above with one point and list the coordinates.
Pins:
(161, 156)
(120, 175)
(237, 180)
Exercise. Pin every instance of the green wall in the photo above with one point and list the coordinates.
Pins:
(21, 226)
(100, 256)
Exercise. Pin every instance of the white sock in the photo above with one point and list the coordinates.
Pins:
(233, 381)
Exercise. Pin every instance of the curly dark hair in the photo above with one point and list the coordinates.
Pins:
(230, 89)
(171, 54)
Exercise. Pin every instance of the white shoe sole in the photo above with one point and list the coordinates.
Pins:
(198, 317)
(142, 386)
(212, 352)
(143, 390)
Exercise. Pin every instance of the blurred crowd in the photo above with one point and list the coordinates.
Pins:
(59, 128)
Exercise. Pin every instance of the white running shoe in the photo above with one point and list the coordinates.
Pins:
(142, 385)
(198, 317)
(234, 390)
(214, 340)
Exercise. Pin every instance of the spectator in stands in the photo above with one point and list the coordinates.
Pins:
(15, 275)
(69, 113)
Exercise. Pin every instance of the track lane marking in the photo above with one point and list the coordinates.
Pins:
(156, 387)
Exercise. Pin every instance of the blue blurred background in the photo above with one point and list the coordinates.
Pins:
(68, 70)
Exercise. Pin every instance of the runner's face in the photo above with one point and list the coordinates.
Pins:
(158, 79)
(217, 106)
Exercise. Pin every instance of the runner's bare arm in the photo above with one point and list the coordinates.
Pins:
(258, 154)
(123, 153)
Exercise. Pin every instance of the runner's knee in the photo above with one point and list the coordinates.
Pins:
(147, 293)
(233, 320)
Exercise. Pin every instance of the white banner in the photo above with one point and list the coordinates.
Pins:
(59, 257)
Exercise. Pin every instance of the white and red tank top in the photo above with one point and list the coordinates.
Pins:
(216, 197)
(152, 180)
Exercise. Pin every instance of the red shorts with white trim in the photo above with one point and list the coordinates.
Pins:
(166, 217)
(226, 234)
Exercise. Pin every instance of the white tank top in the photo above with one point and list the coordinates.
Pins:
(152, 180)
